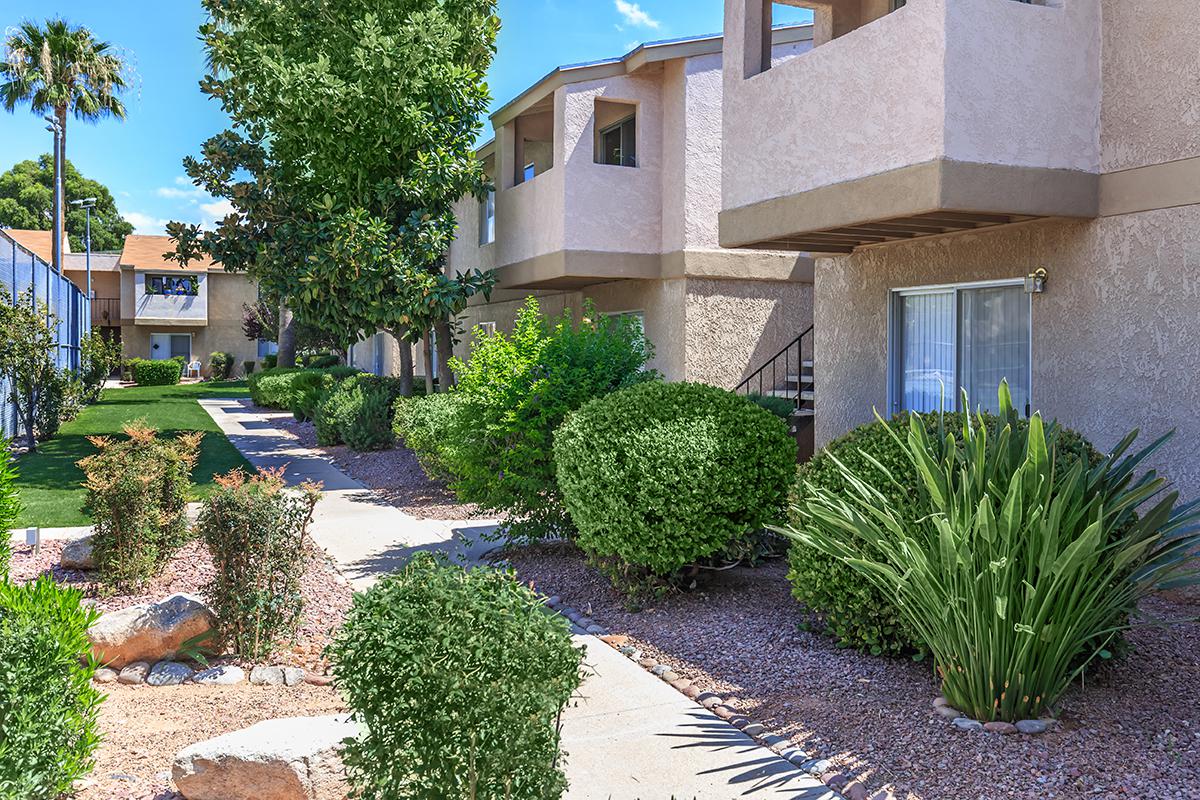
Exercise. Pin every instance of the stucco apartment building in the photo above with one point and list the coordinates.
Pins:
(156, 308)
(608, 188)
(993, 189)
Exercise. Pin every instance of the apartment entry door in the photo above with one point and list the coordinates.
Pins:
(170, 345)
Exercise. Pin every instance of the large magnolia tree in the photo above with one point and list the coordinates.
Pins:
(354, 126)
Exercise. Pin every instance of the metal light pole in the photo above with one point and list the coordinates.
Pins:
(87, 204)
(56, 238)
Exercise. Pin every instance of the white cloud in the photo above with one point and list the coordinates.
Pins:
(634, 15)
(146, 224)
(214, 212)
(174, 193)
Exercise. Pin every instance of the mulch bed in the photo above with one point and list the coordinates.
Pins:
(1133, 731)
(326, 593)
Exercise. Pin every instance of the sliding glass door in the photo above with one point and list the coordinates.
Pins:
(949, 338)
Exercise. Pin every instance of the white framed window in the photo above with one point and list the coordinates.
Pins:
(485, 329)
(616, 144)
(944, 339)
(487, 219)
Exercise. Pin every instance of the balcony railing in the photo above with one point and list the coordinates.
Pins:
(106, 311)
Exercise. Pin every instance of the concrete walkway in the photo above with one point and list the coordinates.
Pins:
(628, 736)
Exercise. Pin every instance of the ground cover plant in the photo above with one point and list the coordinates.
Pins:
(138, 487)
(256, 533)
(857, 613)
(518, 389)
(659, 476)
(500, 665)
(10, 504)
(1022, 561)
(51, 483)
(48, 706)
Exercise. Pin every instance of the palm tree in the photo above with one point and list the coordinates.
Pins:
(61, 69)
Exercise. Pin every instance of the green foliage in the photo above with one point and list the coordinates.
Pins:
(27, 203)
(321, 360)
(270, 361)
(255, 532)
(28, 342)
(430, 426)
(358, 412)
(281, 387)
(56, 403)
(855, 612)
(148, 372)
(661, 475)
(221, 365)
(307, 390)
(500, 665)
(48, 707)
(781, 407)
(10, 504)
(1023, 558)
(248, 368)
(137, 491)
(99, 355)
(519, 389)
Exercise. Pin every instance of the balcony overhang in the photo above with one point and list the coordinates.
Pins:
(573, 269)
(930, 199)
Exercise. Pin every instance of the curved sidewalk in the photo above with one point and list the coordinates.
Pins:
(628, 735)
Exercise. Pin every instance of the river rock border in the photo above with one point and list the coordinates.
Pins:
(177, 673)
(820, 768)
(962, 722)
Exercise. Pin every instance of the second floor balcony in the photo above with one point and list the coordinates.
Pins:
(938, 116)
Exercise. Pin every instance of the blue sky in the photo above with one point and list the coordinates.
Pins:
(168, 118)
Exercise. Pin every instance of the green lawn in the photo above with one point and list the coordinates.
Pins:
(51, 485)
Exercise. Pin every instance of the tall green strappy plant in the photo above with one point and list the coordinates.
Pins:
(1024, 567)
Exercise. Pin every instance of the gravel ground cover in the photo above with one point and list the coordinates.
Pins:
(1132, 732)
(394, 473)
(144, 727)
(326, 593)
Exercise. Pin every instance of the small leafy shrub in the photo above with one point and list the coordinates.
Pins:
(1022, 560)
(520, 387)
(321, 361)
(429, 427)
(856, 612)
(307, 389)
(270, 361)
(137, 491)
(500, 665)
(28, 348)
(658, 476)
(220, 365)
(55, 404)
(49, 708)
(98, 357)
(278, 388)
(358, 412)
(165, 372)
(10, 503)
(248, 368)
(256, 532)
(781, 407)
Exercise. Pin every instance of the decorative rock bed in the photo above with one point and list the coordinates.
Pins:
(1030, 727)
(175, 673)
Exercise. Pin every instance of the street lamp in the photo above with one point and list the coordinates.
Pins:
(87, 204)
(56, 237)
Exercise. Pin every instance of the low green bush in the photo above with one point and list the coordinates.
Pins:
(1023, 563)
(255, 532)
(358, 412)
(781, 407)
(221, 365)
(321, 361)
(429, 426)
(49, 708)
(147, 372)
(520, 387)
(99, 355)
(54, 404)
(279, 387)
(855, 612)
(658, 476)
(137, 492)
(306, 390)
(10, 503)
(500, 665)
(248, 368)
(270, 361)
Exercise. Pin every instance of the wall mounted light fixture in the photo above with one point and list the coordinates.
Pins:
(1035, 282)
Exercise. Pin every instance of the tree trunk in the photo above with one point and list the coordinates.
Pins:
(445, 351)
(428, 345)
(28, 419)
(406, 361)
(61, 114)
(287, 336)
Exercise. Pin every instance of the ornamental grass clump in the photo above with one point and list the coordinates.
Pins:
(1024, 566)
(49, 708)
(459, 679)
(256, 532)
(137, 493)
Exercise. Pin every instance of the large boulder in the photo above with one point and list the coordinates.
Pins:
(77, 554)
(297, 758)
(150, 631)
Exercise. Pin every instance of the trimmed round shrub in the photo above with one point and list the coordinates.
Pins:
(499, 664)
(843, 604)
(321, 361)
(166, 372)
(661, 475)
(48, 705)
(279, 388)
(429, 427)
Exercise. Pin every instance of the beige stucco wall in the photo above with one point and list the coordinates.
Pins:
(1116, 336)
(984, 81)
(1151, 109)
